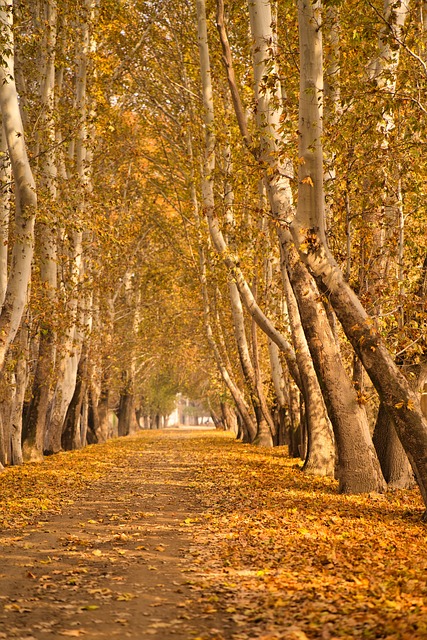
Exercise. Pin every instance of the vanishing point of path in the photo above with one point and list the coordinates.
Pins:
(115, 563)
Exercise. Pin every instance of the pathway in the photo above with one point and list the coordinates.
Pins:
(116, 563)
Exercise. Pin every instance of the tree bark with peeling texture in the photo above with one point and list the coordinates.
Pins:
(320, 459)
(25, 192)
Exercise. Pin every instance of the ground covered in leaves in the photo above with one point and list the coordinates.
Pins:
(185, 535)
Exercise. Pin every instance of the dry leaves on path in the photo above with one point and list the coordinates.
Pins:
(290, 558)
(279, 553)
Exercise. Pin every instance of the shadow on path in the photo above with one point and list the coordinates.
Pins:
(116, 563)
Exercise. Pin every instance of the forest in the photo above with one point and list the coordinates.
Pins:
(223, 202)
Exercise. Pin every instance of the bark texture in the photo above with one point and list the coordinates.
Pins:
(25, 191)
(320, 458)
(393, 459)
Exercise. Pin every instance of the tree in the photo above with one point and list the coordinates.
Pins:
(25, 191)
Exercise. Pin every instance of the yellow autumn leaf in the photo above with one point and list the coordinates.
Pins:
(308, 181)
(125, 597)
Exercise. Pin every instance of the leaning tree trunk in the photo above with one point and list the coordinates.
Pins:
(277, 178)
(229, 418)
(250, 368)
(209, 205)
(359, 467)
(400, 401)
(320, 459)
(263, 436)
(266, 427)
(248, 423)
(25, 191)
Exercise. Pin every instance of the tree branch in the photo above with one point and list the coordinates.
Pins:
(228, 64)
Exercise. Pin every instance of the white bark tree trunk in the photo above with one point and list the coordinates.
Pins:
(320, 459)
(19, 396)
(225, 372)
(25, 192)
(6, 190)
(265, 424)
(79, 151)
(47, 232)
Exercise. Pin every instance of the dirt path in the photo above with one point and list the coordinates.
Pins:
(116, 563)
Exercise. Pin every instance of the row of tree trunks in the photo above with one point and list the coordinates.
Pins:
(400, 402)
(350, 426)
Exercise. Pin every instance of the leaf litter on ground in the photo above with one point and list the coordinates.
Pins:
(279, 552)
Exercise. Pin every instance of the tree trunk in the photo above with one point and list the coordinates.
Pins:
(393, 459)
(320, 459)
(93, 415)
(35, 423)
(4, 443)
(127, 418)
(295, 402)
(282, 414)
(84, 419)
(25, 192)
(17, 408)
(358, 467)
(265, 427)
(98, 414)
(34, 429)
(263, 435)
(209, 205)
(230, 418)
(250, 365)
(5, 180)
(217, 420)
(63, 394)
(70, 438)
